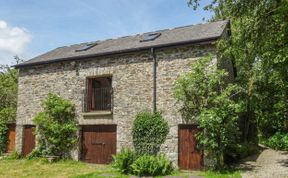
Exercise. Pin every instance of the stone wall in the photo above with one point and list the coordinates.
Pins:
(132, 82)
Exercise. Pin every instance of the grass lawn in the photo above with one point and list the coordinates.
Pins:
(226, 174)
(73, 169)
(39, 169)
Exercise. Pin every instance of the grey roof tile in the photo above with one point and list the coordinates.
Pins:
(187, 34)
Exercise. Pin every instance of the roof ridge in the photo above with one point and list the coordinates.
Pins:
(139, 34)
(198, 24)
(161, 30)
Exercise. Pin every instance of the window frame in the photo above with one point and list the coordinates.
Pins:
(89, 94)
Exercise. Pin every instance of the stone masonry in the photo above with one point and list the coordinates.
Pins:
(132, 82)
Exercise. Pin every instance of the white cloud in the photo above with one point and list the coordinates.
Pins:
(13, 40)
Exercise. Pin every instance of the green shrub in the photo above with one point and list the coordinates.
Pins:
(56, 126)
(34, 154)
(122, 161)
(148, 165)
(39, 152)
(3, 137)
(278, 141)
(149, 132)
(14, 155)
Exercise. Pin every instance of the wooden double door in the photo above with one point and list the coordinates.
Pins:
(28, 143)
(189, 156)
(98, 143)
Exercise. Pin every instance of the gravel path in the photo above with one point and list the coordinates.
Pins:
(269, 164)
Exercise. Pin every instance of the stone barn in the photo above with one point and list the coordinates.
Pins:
(111, 81)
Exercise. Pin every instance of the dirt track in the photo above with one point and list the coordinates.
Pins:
(268, 164)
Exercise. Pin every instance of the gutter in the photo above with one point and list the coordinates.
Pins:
(86, 57)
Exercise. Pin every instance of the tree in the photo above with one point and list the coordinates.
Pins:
(259, 48)
(207, 100)
(8, 93)
(8, 98)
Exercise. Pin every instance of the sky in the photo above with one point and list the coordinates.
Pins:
(29, 28)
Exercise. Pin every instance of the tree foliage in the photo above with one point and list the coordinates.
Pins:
(8, 101)
(8, 93)
(3, 137)
(259, 47)
(56, 126)
(207, 100)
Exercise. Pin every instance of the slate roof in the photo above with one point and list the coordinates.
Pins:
(169, 37)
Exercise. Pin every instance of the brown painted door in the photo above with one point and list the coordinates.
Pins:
(189, 156)
(28, 140)
(11, 137)
(98, 143)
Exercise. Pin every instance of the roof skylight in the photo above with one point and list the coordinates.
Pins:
(86, 46)
(150, 36)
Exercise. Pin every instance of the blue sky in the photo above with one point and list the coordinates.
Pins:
(31, 27)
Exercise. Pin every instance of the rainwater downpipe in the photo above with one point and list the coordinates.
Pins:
(154, 79)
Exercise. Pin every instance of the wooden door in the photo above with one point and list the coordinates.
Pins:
(28, 139)
(189, 157)
(11, 137)
(98, 143)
